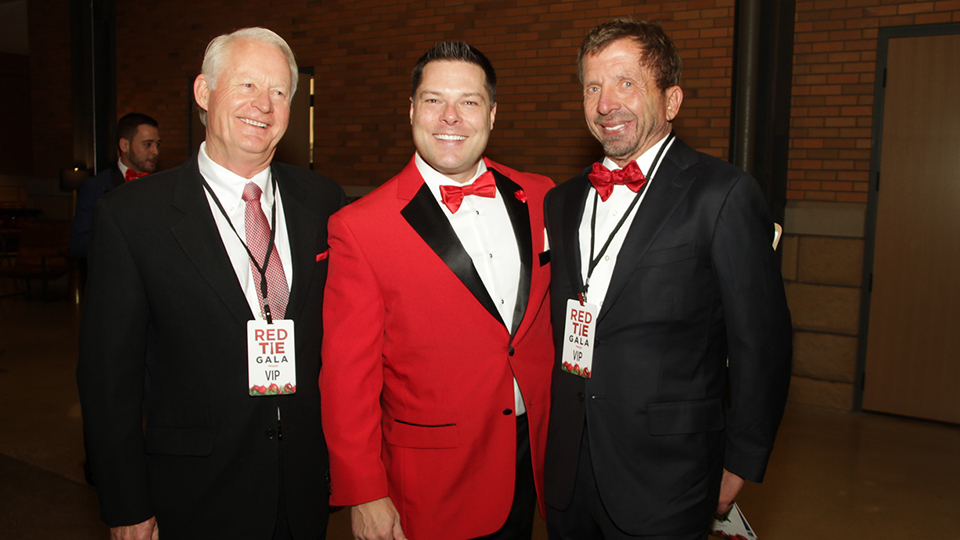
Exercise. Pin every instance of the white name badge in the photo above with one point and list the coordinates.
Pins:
(578, 333)
(271, 358)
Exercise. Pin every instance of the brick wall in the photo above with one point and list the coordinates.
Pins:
(362, 52)
(835, 54)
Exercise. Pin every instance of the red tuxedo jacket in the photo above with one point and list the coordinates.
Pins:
(417, 379)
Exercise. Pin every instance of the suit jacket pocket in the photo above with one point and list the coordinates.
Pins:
(179, 441)
(668, 255)
(685, 417)
(410, 435)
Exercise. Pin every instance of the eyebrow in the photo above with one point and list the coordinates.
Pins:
(439, 93)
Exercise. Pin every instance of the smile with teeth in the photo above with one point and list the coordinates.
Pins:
(613, 128)
(253, 123)
(443, 137)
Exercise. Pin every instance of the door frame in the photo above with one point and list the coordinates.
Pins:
(870, 227)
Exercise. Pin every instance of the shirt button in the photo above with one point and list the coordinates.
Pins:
(507, 412)
(269, 434)
(606, 258)
(478, 212)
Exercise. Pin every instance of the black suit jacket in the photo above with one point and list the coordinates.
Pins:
(170, 428)
(91, 189)
(695, 282)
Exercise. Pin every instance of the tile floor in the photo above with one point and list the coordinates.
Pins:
(834, 474)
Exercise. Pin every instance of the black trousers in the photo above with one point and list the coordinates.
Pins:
(519, 524)
(281, 530)
(586, 518)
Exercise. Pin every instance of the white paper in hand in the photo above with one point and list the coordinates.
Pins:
(733, 526)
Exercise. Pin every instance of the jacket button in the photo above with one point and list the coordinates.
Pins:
(510, 351)
(580, 397)
(507, 412)
(269, 434)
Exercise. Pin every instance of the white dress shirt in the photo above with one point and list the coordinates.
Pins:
(123, 169)
(609, 213)
(228, 187)
(486, 233)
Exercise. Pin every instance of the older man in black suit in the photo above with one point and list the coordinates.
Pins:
(662, 270)
(203, 313)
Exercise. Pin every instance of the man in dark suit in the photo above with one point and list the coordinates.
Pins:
(138, 143)
(662, 269)
(437, 351)
(205, 280)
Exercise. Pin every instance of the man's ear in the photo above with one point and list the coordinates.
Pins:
(201, 91)
(674, 100)
(124, 146)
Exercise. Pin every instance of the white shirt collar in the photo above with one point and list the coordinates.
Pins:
(434, 178)
(645, 160)
(228, 186)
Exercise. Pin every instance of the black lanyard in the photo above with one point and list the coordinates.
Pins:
(594, 261)
(266, 258)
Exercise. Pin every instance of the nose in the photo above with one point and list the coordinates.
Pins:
(607, 102)
(450, 114)
(262, 102)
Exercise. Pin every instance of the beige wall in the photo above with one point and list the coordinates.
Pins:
(822, 271)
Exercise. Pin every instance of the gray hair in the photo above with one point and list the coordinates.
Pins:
(219, 49)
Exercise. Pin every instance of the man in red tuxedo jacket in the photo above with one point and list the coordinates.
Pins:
(437, 348)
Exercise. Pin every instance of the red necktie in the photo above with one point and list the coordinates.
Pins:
(133, 175)
(484, 186)
(604, 179)
(258, 237)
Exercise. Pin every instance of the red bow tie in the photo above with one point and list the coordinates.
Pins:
(604, 179)
(453, 196)
(133, 175)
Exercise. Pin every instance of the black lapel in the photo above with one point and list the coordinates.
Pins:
(200, 239)
(668, 188)
(423, 213)
(573, 206)
(115, 177)
(520, 219)
(303, 226)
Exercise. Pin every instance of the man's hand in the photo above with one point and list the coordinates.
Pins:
(730, 486)
(376, 520)
(146, 530)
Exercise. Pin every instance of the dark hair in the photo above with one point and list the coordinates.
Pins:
(128, 125)
(659, 53)
(457, 51)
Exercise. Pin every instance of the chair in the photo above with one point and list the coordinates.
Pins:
(41, 254)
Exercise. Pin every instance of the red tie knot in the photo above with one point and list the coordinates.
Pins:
(133, 175)
(483, 186)
(604, 179)
(251, 192)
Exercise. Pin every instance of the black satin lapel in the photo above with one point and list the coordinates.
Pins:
(519, 214)
(427, 219)
(199, 238)
(573, 205)
(303, 226)
(669, 187)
